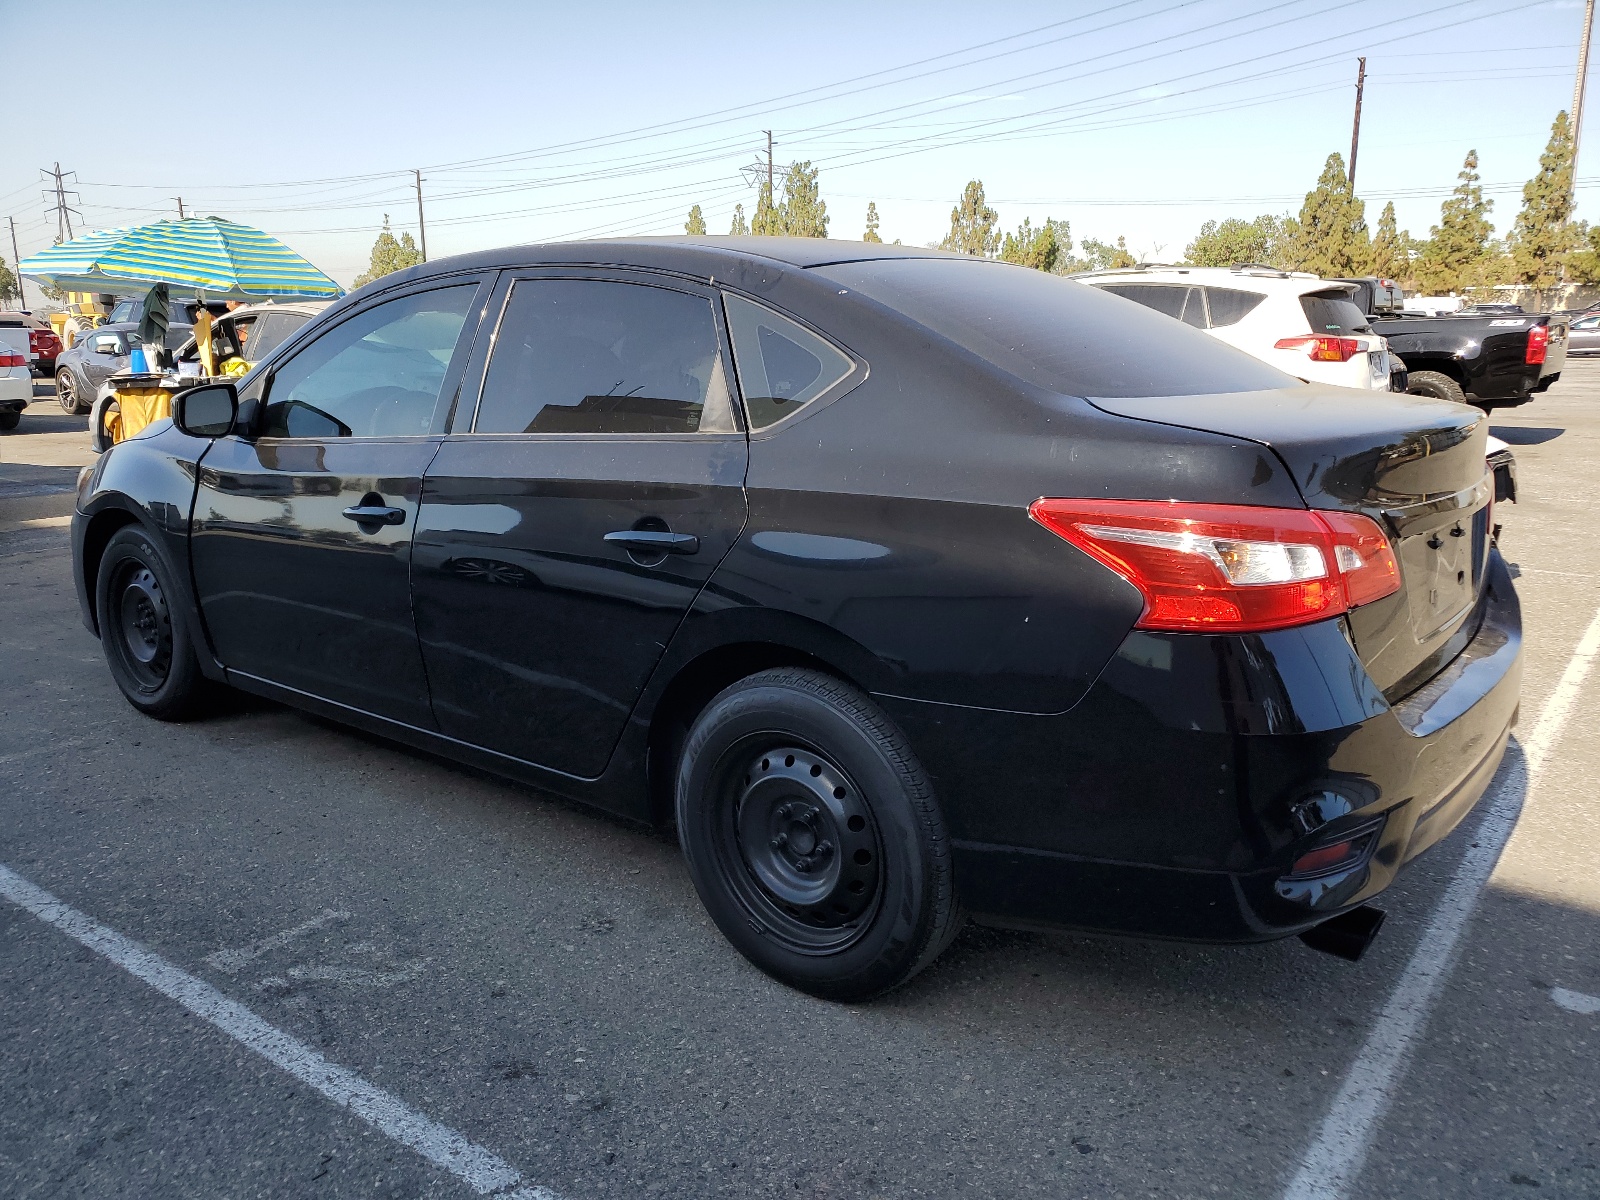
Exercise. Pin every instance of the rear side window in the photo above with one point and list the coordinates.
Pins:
(782, 366)
(1162, 298)
(271, 331)
(1056, 333)
(1333, 312)
(1229, 306)
(593, 356)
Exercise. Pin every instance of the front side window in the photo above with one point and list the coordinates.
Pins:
(126, 310)
(1161, 297)
(782, 365)
(377, 374)
(595, 356)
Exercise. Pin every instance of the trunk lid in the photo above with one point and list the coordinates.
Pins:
(1414, 464)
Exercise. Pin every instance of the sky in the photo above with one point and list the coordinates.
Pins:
(543, 122)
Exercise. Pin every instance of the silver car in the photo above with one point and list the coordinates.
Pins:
(1584, 335)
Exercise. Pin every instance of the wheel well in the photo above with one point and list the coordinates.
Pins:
(101, 526)
(694, 687)
(1440, 366)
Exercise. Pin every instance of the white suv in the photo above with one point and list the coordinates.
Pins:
(1306, 326)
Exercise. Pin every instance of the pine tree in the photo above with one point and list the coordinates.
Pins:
(1033, 247)
(1390, 257)
(1544, 233)
(740, 227)
(1459, 243)
(803, 213)
(1331, 233)
(696, 222)
(389, 255)
(871, 234)
(767, 220)
(1237, 241)
(973, 224)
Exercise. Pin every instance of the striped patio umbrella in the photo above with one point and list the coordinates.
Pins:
(196, 257)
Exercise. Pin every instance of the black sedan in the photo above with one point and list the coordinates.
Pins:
(907, 585)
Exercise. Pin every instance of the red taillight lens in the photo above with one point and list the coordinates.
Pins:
(1320, 348)
(1227, 568)
(42, 341)
(13, 360)
(1538, 343)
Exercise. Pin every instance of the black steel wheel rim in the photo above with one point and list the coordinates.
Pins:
(797, 842)
(143, 625)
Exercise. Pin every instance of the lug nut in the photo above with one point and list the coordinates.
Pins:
(779, 842)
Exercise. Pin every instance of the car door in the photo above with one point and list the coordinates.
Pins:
(301, 537)
(104, 353)
(572, 518)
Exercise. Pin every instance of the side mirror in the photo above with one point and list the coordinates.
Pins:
(105, 346)
(206, 412)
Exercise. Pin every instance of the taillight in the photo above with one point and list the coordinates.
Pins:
(1228, 568)
(13, 360)
(42, 341)
(1538, 343)
(1321, 348)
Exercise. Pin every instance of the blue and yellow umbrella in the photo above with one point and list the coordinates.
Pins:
(196, 257)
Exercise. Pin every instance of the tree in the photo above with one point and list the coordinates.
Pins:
(696, 222)
(1459, 243)
(740, 227)
(1330, 237)
(871, 234)
(1390, 256)
(1103, 256)
(1544, 235)
(972, 224)
(389, 255)
(766, 221)
(8, 284)
(1237, 241)
(804, 213)
(1040, 248)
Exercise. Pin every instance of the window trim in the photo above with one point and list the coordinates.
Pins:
(464, 416)
(261, 392)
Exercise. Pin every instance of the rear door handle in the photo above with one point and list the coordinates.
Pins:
(654, 541)
(376, 514)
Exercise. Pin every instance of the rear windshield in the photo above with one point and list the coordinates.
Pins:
(1334, 312)
(1056, 333)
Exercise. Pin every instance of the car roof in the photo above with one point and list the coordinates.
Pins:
(1266, 279)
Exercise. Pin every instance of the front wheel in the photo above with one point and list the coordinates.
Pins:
(813, 837)
(68, 394)
(145, 639)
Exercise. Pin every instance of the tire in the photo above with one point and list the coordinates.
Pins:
(68, 395)
(813, 836)
(1435, 384)
(146, 643)
(10, 419)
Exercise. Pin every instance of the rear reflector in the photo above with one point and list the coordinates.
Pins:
(1226, 568)
(1538, 343)
(1320, 348)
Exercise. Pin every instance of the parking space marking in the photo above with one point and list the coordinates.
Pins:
(1575, 1002)
(484, 1172)
(1333, 1163)
(229, 961)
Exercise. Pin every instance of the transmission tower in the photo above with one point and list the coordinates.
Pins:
(58, 192)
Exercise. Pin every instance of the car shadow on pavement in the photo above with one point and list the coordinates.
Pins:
(1533, 435)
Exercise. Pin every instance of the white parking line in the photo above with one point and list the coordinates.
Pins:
(1575, 1002)
(1333, 1163)
(230, 961)
(485, 1173)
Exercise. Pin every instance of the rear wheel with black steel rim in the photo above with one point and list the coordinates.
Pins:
(69, 395)
(813, 836)
(146, 642)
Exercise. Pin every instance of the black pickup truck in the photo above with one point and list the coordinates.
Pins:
(1491, 360)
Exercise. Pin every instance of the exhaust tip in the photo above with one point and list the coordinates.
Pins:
(1348, 935)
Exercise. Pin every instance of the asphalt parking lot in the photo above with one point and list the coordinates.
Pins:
(542, 981)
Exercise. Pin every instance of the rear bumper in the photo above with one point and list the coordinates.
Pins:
(1174, 798)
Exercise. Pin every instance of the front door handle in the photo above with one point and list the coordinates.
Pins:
(655, 541)
(376, 514)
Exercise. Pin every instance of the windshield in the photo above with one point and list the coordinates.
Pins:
(1057, 333)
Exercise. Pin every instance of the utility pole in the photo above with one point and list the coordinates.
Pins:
(63, 212)
(1578, 89)
(422, 230)
(1355, 133)
(22, 301)
(179, 199)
